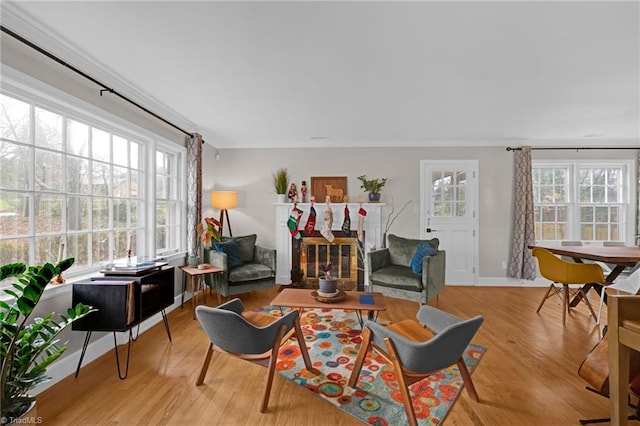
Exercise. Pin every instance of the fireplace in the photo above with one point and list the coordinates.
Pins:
(285, 244)
(310, 252)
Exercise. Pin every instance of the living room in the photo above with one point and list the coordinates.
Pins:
(519, 91)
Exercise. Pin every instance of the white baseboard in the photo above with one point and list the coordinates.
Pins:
(511, 282)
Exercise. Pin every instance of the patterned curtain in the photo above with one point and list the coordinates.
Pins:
(522, 264)
(194, 191)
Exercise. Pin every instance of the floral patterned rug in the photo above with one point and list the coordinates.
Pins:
(333, 339)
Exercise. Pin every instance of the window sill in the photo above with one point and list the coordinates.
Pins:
(55, 290)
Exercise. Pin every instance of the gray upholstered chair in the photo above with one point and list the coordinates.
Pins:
(390, 273)
(250, 336)
(417, 352)
(256, 271)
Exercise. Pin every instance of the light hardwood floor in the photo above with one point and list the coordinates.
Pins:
(528, 376)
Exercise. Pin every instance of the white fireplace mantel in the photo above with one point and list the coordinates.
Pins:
(372, 229)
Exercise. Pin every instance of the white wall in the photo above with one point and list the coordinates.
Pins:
(249, 172)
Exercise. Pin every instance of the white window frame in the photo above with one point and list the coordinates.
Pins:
(627, 194)
(176, 198)
(20, 86)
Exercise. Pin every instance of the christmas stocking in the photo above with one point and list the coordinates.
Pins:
(310, 227)
(293, 221)
(362, 213)
(327, 224)
(346, 223)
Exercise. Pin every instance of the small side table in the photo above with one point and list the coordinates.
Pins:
(195, 281)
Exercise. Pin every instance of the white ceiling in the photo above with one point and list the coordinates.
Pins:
(247, 74)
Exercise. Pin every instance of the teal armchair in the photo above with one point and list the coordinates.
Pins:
(389, 270)
(256, 271)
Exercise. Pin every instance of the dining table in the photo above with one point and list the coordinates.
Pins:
(620, 256)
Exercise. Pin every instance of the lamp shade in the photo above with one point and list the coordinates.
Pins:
(224, 199)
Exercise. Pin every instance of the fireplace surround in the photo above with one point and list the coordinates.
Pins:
(372, 230)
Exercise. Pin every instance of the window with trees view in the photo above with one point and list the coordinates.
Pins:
(581, 201)
(80, 187)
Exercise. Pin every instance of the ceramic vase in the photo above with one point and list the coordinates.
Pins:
(328, 286)
(374, 198)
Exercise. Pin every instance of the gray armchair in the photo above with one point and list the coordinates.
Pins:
(256, 271)
(390, 272)
(250, 336)
(419, 349)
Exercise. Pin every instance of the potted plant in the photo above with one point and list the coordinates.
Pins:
(280, 184)
(28, 347)
(328, 284)
(373, 187)
(206, 232)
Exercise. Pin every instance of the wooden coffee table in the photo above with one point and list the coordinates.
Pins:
(359, 301)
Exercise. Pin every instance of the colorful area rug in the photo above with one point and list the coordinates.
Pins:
(333, 339)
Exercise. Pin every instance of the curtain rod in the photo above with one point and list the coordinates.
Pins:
(105, 88)
(518, 148)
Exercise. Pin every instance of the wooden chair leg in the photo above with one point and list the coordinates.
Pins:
(205, 365)
(588, 303)
(302, 343)
(362, 354)
(273, 360)
(404, 388)
(466, 379)
(544, 299)
(566, 303)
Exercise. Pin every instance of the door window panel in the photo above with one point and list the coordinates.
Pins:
(448, 193)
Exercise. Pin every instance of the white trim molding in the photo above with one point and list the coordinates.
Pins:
(18, 21)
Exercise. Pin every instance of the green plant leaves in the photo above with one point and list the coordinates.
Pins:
(11, 270)
(64, 265)
(26, 349)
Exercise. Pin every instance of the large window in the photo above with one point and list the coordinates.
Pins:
(582, 201)
(81, 187)
(168, 205)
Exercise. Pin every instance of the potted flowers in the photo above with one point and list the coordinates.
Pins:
(372, 186)
(206, 232)
(28, 347)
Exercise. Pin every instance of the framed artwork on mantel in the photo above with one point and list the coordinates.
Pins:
(334, 186)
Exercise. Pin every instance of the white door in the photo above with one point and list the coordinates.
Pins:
(448, 212)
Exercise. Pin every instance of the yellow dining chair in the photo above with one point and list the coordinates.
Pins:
(566, 273)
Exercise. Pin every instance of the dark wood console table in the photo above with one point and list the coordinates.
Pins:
(123, 302)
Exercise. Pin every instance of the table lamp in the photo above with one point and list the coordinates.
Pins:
(224, 200)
